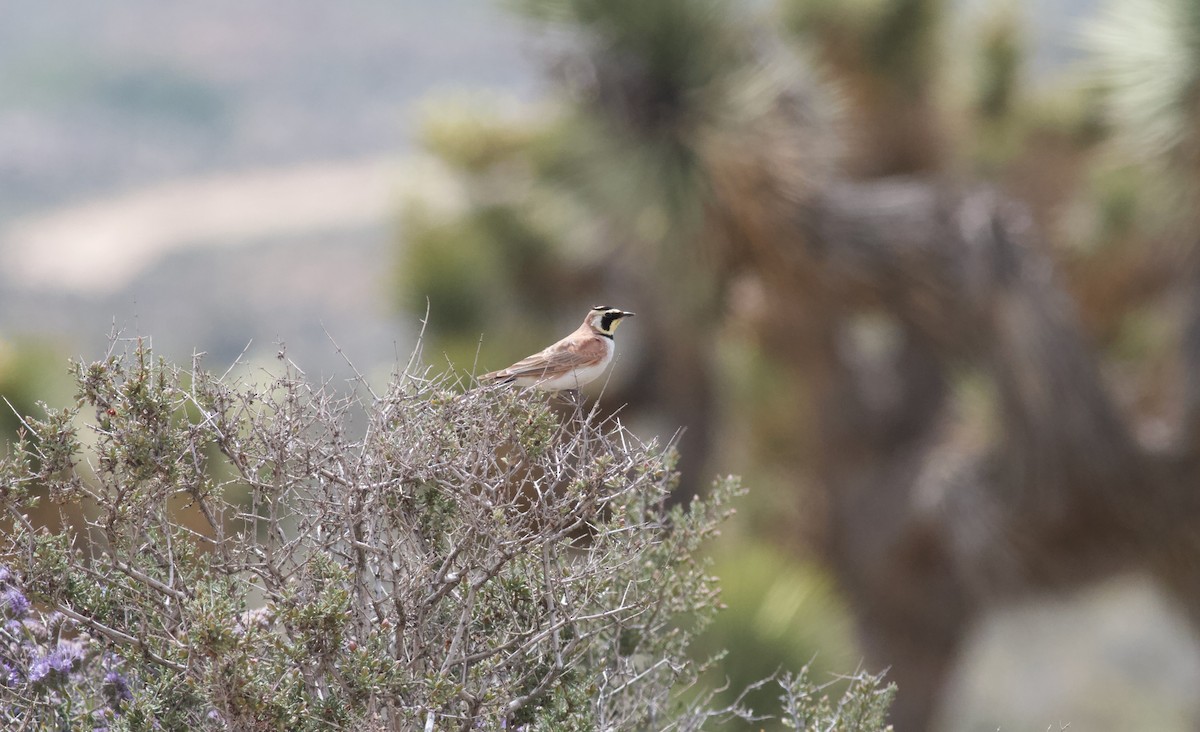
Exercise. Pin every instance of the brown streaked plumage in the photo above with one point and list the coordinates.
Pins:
(570, 363)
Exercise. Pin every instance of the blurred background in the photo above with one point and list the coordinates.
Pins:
(818, 210)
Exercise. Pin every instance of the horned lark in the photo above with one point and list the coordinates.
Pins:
(572, 362)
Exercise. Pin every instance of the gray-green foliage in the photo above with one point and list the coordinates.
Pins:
(291, 556)
(1148, 55)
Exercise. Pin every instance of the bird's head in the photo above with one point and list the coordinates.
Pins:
(605, 320)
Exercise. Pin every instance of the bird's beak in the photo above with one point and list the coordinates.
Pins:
(626, 314)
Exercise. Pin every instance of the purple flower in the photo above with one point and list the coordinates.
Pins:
(40, 668)
(116, 689)
(9, 676)
(68, 656)
(58, 664)
(13, 603)
(6, 575)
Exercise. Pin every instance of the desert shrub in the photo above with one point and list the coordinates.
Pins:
(294, 555)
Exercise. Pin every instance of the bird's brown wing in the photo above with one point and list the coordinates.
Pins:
(567, 354)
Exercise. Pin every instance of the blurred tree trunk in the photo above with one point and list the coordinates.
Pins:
(925, 527)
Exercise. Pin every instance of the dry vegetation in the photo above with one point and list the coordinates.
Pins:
(298, 556)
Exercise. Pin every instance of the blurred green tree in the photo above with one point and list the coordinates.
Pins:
(29, 371)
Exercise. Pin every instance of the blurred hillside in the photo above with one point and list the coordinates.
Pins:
(97, 99)
(157, 162)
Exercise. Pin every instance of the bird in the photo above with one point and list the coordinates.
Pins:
(576, 360)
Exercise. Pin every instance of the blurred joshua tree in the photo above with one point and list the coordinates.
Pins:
(1148, 56)
(924, 369)
(887, 56)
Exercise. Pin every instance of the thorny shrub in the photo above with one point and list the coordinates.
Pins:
(294, 556)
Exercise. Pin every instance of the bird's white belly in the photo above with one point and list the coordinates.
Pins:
(576, 377)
